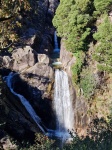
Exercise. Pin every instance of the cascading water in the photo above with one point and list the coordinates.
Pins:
(9, 79)
(56, 47)
(62, 103)
(49, 132)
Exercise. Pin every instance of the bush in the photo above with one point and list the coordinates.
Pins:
(77, 67)
(87, 82)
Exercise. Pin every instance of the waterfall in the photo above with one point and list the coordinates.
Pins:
(56, 47)
(62, 103)
(9, 80)
(48, 132)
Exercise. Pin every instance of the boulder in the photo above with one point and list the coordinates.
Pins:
(40, 75)
(22, 58)
(67, 61)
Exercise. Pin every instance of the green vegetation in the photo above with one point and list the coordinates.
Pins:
(77, 67)
(87, 82)
(102, 6)
(99, 137)
(10, 20)
(75, 18)
(72, 21)
(103, 48)
(15, 18)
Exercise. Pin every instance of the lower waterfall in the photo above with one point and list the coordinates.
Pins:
(9, 80)
(62, 103)
(62, 106)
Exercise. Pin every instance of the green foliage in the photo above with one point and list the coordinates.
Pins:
(41, 143)
(77, 67)
(98, 138)
(103, 48)
(16, 16)
(9, 13)
(72, 21)
(87, 82)
(102, 6)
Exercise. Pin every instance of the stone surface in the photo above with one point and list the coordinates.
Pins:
(21, 59)
(67, 59)
(6, 62)
(40, 76)
(42, 58)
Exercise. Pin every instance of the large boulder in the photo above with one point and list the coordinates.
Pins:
(67, 59)
(22, 58)
(41, 77)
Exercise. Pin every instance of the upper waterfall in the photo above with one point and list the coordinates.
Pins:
(62, 103)
(56, 46)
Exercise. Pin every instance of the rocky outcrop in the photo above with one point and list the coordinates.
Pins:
(66, 58)
(21, 59)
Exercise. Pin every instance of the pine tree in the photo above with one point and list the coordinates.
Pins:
(103, 6)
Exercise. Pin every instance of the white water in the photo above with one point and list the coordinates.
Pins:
(56, 47)
(62, 103)
(9, 79)
(49, 132)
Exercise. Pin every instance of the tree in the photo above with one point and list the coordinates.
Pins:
(103, 6)
(9, 14)
(103, 48)
(72, 21)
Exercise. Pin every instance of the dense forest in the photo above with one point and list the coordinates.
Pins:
(85, 27)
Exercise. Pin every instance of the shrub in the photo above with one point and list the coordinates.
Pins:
(87, 82)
